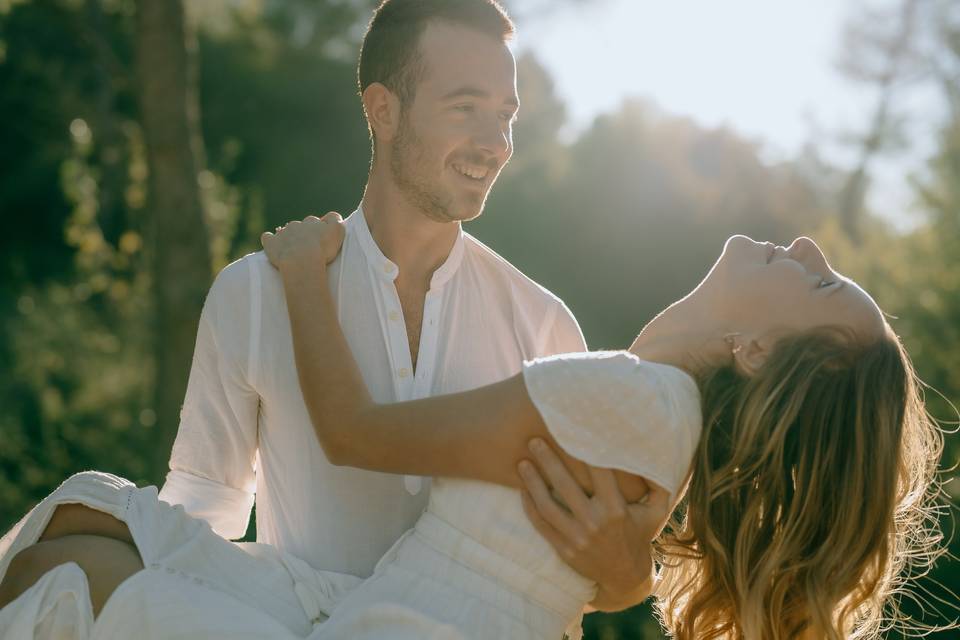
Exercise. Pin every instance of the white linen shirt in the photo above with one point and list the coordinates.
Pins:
(244, 429)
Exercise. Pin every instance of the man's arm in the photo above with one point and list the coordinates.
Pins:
(212, 463)
(599, 534)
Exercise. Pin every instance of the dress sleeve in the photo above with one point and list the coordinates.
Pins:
(212, 465)
(615, 411)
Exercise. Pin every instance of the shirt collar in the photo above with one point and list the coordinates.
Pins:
(386, 268)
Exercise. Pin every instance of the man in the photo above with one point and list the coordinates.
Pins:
(426, 308)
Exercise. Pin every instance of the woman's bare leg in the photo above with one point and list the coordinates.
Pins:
(99, 543)
(107, 563)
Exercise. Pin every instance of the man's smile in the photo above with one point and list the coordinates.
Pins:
(475, 173)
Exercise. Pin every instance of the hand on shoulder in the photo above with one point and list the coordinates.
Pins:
(314, 242)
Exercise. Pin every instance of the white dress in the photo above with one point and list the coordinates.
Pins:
(472, 567)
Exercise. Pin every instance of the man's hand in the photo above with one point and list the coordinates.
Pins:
(600, 536)
(315, 242)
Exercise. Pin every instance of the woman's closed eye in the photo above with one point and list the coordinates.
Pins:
(827, 282)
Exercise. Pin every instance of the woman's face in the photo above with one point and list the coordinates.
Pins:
(759, 289)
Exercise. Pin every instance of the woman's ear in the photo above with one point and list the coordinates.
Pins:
(750, 353)
(382, 109)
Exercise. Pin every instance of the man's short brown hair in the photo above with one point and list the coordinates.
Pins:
(390, 53)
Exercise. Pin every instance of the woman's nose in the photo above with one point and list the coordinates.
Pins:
(806, 251)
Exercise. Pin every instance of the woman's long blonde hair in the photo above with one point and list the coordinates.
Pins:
(811, 496)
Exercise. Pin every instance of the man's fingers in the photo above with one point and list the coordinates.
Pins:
(606, 489)
(562, 481)
(652, 514)
(548, 507)
(658, 498)
(554, 537)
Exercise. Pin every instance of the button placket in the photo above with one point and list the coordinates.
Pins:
(426, 362)
(397, 345)
(423, 378)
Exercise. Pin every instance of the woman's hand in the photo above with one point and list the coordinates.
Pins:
(313, 243)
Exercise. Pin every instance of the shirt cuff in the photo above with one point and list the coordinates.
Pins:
(226, 509)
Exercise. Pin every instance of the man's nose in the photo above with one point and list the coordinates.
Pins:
(493, 137)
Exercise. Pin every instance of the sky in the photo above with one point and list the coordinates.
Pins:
(764, 68)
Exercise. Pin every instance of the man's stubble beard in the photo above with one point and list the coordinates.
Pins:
(407, 155)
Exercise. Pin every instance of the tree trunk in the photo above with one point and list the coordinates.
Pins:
(181, 252)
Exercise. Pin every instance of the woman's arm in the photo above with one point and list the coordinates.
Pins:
(480, 434)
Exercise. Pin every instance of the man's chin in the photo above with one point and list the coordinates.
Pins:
(466, 214)
(471, 206)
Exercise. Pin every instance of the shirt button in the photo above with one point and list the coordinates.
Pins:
(387, 267)
(394, 315)
(403, 373)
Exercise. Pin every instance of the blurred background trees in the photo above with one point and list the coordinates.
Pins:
(134, 165)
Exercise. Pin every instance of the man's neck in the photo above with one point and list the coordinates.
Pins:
(416, 244)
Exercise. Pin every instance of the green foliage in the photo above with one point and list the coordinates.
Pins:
(619, 222)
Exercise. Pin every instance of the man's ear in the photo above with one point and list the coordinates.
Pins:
(751, 352)
(382, 109)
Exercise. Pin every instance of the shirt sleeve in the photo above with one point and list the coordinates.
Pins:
(615, 411)
(561, 333)
(212, 464)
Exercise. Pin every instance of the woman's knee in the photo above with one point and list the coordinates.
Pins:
(27, 567)
(107, 562)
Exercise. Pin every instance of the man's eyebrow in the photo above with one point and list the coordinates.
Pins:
(476, 92)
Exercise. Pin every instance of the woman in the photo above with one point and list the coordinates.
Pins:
(812, 426)
(811, 420)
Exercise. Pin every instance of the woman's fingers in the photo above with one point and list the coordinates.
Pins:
(268, 242)
(304, 242)
(332, 216)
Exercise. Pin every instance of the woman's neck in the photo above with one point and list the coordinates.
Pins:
(680, 338)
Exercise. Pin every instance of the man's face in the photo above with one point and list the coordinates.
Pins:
(457, 134)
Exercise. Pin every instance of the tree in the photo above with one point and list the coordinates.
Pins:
(881, 51)
(181, 250)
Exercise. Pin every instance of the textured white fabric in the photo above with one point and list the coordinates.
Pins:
(472, 567)
(56, 607)
(611, 409)
(194, 583)
(244, 427)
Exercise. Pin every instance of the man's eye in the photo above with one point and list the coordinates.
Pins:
(464, 108)
(824, 283)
